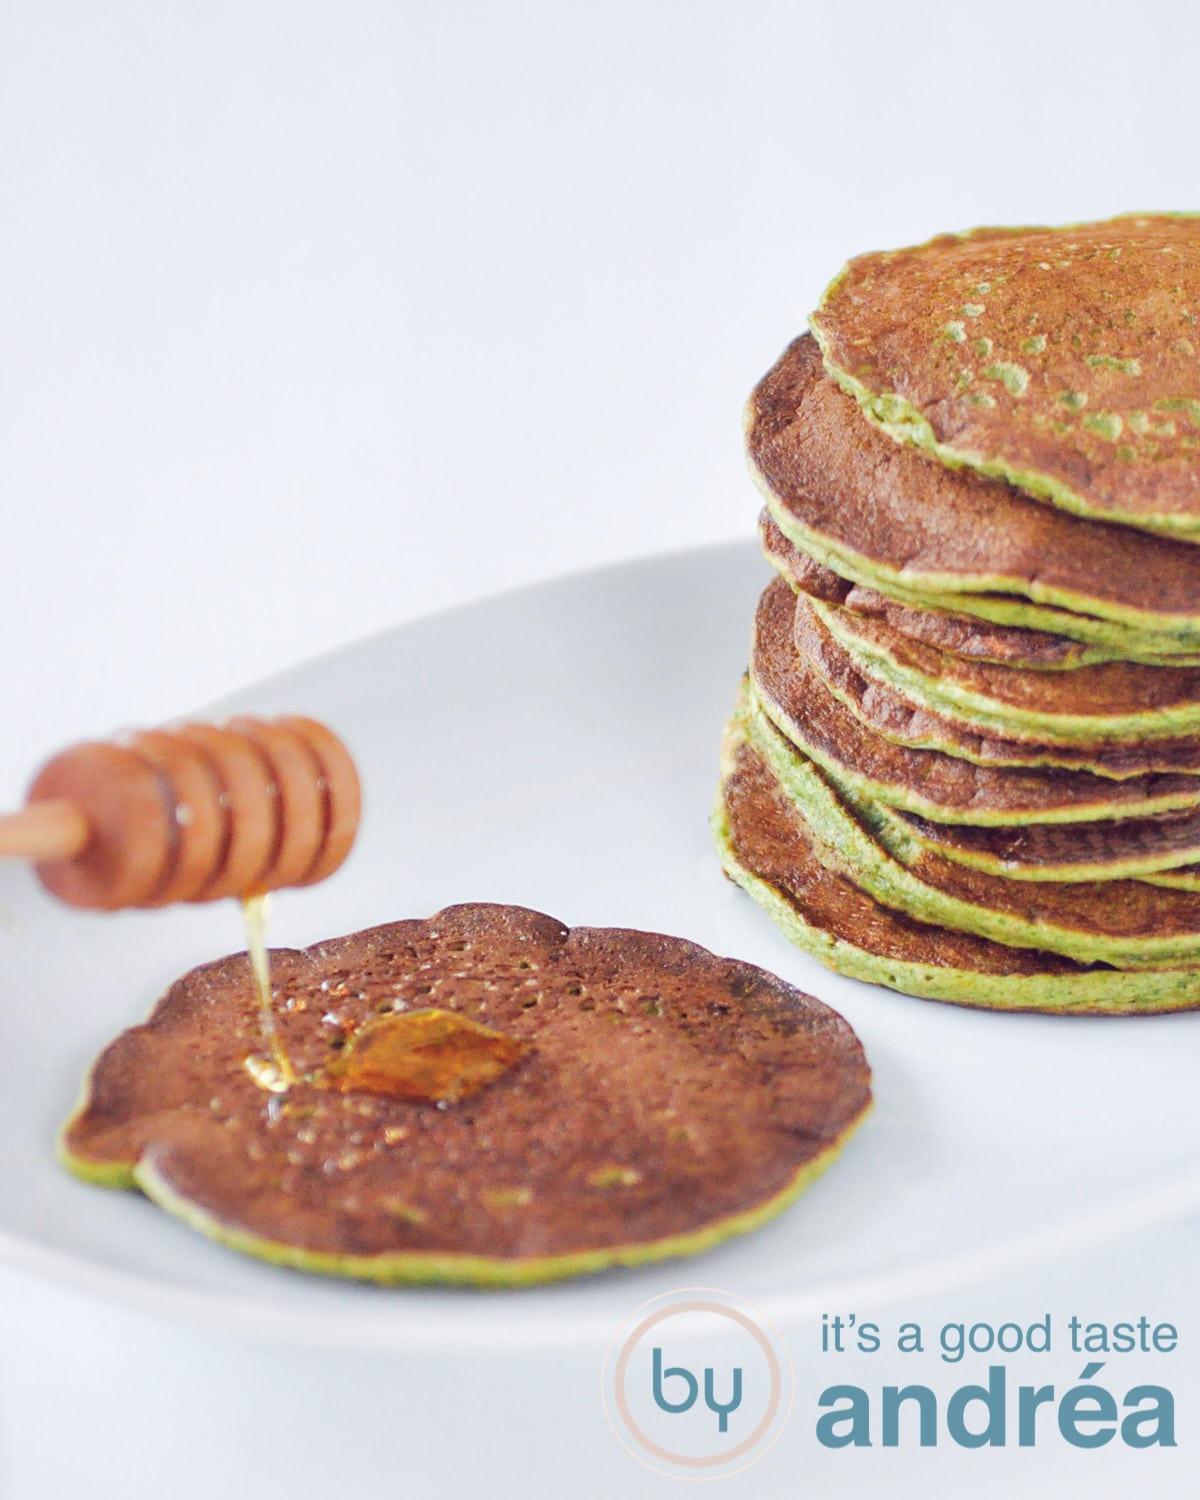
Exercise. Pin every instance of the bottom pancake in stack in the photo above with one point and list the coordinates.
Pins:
(908, 843)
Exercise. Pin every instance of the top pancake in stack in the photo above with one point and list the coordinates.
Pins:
(986, 501)
(1061, 360)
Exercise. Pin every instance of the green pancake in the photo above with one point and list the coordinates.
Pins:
(897, 717)
(1133, 847)
(1061, 360)
(1087, 705)
(893, 520)
(766, 846)
(1186, 878)
(945, 788)
(1128, 924)
(485, 1097)
(963, 634)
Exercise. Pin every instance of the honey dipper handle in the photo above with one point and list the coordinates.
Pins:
(43, 830)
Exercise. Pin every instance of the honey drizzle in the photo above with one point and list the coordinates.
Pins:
(429, 1055)
(273, 1073)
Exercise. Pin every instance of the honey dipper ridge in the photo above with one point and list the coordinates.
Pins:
(192, 813)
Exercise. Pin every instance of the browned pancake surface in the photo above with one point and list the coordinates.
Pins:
(825, 464)
(1102, 690)
(1173, 838)
(964, 635)
(770, 838)
(662, 1090)
(960, 790)
(1066, 354)
(1117, 909)
(887, 712)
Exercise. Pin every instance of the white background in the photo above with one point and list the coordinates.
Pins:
(317, 317)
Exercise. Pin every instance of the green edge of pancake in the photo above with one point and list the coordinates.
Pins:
(1018, 753)
(1076, 653)
(1102, 991)
(904, 423)
(908, 799)
(447, 1268)
(1112, 991)
(1132, 634)
(875, 853)
(1185, 879)
(1124, 867)
(942, 695)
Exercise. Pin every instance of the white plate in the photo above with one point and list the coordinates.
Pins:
(558, 748)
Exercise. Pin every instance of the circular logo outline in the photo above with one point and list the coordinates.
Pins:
(755, 1325)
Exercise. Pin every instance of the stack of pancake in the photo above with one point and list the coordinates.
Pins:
(966, 759)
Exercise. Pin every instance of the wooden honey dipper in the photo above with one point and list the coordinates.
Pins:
(189, 814)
